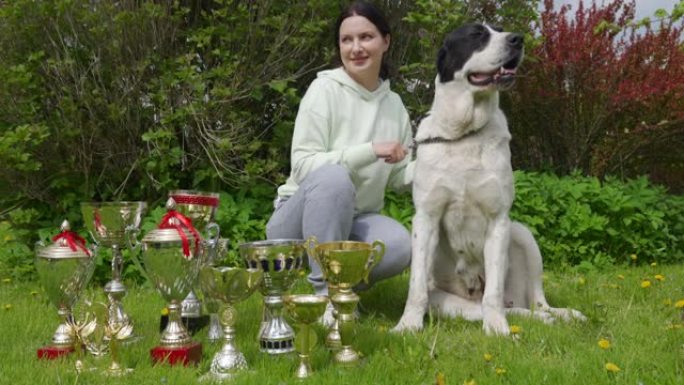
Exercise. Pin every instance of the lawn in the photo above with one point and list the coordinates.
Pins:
(642, 325)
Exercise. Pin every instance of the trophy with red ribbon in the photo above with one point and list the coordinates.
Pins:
(200, 207)
(171, 256)
(108, 223)
(64, 268)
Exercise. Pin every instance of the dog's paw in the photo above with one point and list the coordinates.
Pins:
(544, 316)
(495, 323)
(566, 314)
(409, 322)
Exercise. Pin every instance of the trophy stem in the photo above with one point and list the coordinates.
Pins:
(277, 336)
(229, 359)
(333, 340)
(303, 351)
(345, 302)
(63, 336)
(175, 333)
(116, 290)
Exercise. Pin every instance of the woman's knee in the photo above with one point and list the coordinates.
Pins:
(331, 179)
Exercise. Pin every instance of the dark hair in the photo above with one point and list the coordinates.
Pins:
(373, 14)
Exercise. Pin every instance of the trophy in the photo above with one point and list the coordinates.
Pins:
(305, 309)
(199, 207)
(107, 223)
(345, 264)
(281, 260)
(230, 285)
(64, 268)
(171, 257)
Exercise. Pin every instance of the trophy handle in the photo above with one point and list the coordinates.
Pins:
(311, 245)
(375, 257)
(131, 237)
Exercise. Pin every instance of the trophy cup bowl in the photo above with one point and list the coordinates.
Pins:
(172, 266)
(200, 207)
(107, 223)
(305, 309)
(229, 285)
(64, 269)
(345, 264)
(281, 260)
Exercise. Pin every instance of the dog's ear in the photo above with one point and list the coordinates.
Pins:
(444, 75)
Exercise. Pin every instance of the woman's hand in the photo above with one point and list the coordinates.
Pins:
(391, 152)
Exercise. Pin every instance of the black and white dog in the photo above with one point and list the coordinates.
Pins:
(469, 259)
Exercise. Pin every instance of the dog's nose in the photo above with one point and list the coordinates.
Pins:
(515, 40)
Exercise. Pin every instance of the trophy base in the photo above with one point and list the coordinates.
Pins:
(192, 324)
(181, 355)
(53, 352)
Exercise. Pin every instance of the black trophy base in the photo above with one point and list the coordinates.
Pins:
(193, 324)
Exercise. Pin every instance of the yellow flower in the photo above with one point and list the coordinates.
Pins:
(679, 304)
(440, 380)
(645, 283)
(165, 311)
(469, 382)
(581, 280)
(659, 277)
(500, 371)
(488, 357)
(654, 264)
(633, 257)
(515, 329)
(8, 306)
(611, 367)
(620, 276)
(7, 280)
(604, 344)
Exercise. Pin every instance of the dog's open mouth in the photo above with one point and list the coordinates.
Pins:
(503, 77)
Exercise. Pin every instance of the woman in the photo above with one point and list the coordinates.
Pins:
(349, 144)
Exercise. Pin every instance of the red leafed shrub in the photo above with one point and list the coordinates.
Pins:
(601, 93)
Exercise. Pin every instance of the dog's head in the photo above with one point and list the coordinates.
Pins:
(480, 55)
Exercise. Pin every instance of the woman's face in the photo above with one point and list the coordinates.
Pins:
(361, 49)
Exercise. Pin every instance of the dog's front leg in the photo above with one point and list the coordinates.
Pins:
(425, 237)
(496, 263)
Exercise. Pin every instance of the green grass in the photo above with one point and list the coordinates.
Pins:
(643, 325)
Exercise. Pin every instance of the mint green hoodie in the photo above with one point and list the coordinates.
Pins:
(337, 122)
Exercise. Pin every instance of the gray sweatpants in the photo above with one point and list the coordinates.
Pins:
(323, 206)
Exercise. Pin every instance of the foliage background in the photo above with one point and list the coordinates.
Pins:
(127, 100)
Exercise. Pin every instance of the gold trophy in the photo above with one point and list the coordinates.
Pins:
(345, 264)
(64, 268)
(230, 285)
(305, 309)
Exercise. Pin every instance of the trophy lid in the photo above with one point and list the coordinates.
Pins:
(66, 245)
(168, 235)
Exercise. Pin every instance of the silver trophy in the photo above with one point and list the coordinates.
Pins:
(171, 256)
(107, 223)
(200, 207)
(281, 260)
(229, 285)
(64, 268)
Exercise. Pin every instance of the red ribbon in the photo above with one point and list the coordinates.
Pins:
(72, 239)
(184, 222)
(196, 200)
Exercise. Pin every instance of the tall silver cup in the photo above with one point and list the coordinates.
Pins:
(107, 223)
(64, 268)
(281, 260)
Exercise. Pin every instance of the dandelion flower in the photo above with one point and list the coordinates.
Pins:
(515, 329)
(645, 284)
(500, 371)
(659, 277)
(440, 380)
(620, 276)
(611, 367)
(679, 304)
(581, 280)
(604, 344)
(488, 357)
(165, 311)
(633, 257)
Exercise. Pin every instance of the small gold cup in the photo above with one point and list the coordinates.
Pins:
(305, 309)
